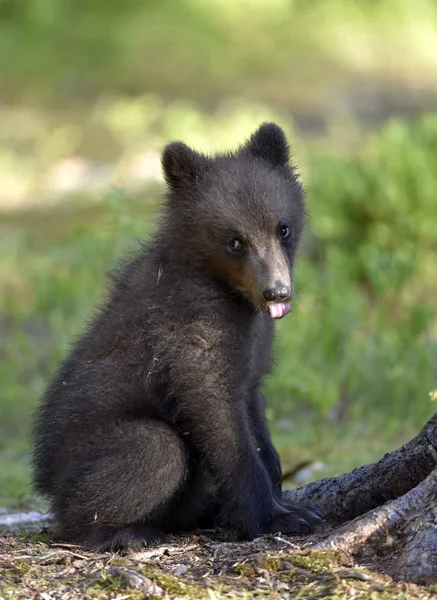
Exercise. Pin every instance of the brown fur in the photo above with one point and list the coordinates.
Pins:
(155, 421)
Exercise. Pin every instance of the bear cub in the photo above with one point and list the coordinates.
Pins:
(155, 422)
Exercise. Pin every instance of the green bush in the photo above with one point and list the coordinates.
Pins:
(365, 339)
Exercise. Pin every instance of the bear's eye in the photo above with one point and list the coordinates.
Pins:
(284, 231)
(235, 245)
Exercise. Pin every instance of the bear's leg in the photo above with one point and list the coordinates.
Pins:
(118, 489)
(290, 517)
(197, 507)
(264, 442)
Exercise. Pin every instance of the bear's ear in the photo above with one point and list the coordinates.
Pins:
(182, 166)
(269, 142)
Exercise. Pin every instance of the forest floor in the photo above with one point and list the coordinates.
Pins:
(204, 565)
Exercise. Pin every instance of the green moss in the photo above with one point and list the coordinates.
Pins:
(245, 570)
(294, 577)
(21, 566)
(18, 571)
(107, 582)
(43, 536)
(11, 576)
(173, 585)
(316, 561)
(119, 562)
(272, 563)
(112, 583)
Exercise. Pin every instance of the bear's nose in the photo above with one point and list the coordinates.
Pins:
(277, 294)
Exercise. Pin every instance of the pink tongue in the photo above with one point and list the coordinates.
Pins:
(279, 310)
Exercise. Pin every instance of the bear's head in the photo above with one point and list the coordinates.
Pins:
(240, 215)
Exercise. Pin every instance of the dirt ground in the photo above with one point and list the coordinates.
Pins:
(206, 565)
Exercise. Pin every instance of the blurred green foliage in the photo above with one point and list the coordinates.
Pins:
(89, 94)
(277, 51)
(366, 342)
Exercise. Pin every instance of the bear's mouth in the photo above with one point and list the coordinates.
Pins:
(277, 310)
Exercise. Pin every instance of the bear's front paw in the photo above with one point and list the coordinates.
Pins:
(298, 519)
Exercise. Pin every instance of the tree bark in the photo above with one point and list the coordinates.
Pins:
(384, 514)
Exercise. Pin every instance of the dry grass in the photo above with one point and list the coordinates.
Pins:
(195, 566)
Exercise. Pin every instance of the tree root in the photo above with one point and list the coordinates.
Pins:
(348, 496)
(397, 497)
(401, 535)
